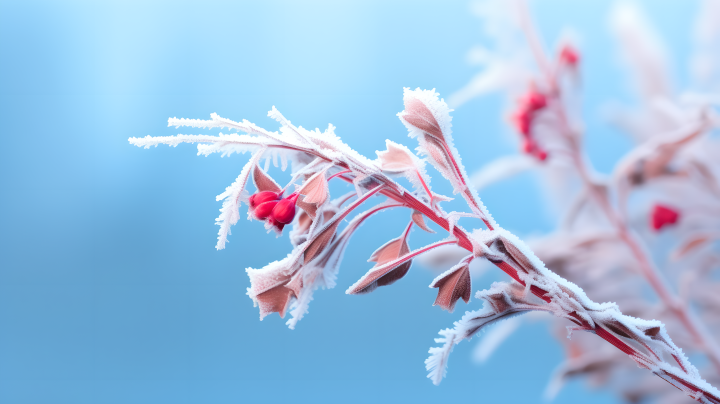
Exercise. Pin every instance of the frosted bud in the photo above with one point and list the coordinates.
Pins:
(284, 211)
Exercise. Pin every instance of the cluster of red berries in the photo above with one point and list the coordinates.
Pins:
(528, 107)
(662, 216)
(273, 208)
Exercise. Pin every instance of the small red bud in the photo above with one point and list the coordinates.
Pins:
(262, 197)
(263, 210)
(284, 211)
(569, 56)
(541, 155)
(662, 216)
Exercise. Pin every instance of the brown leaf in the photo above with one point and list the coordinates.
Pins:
(275, 300)
(380, 277)
(323, 238)
(506, 246)
(388, 265)
(453, 285)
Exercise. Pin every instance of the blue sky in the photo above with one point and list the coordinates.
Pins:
(111, 290)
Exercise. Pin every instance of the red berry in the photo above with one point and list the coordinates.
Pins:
(535, 101)
(662, 216)
(528, 146)
(522, 122)
(263, 210)
(569, 56)
(284, 211)
(262, 197)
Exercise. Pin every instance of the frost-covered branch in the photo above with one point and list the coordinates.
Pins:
(318, 242)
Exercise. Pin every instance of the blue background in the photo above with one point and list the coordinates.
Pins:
(111, 290)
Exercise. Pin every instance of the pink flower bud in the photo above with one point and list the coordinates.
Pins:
(262, 197)
(284, 211)
(263, 210)
(662, 216)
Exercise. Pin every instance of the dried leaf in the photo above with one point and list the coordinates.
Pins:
(275, 300)
(388, 265)
(453, 284)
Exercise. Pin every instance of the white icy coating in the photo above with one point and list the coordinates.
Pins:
(233, 195)
(566, 298)
(441, 113)
(470, 324)
(315, 260)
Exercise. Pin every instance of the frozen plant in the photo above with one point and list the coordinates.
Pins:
(653, 224)
(318, 242)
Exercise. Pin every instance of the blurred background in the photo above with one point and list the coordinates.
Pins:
(111, 290)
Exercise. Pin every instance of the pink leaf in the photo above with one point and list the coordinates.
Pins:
(453, 285)
(419, 115)
(438, 155)
(397, 158)
(309, 208)
(315, 189)
(263, 182)
(391, 250)
(419, 220)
